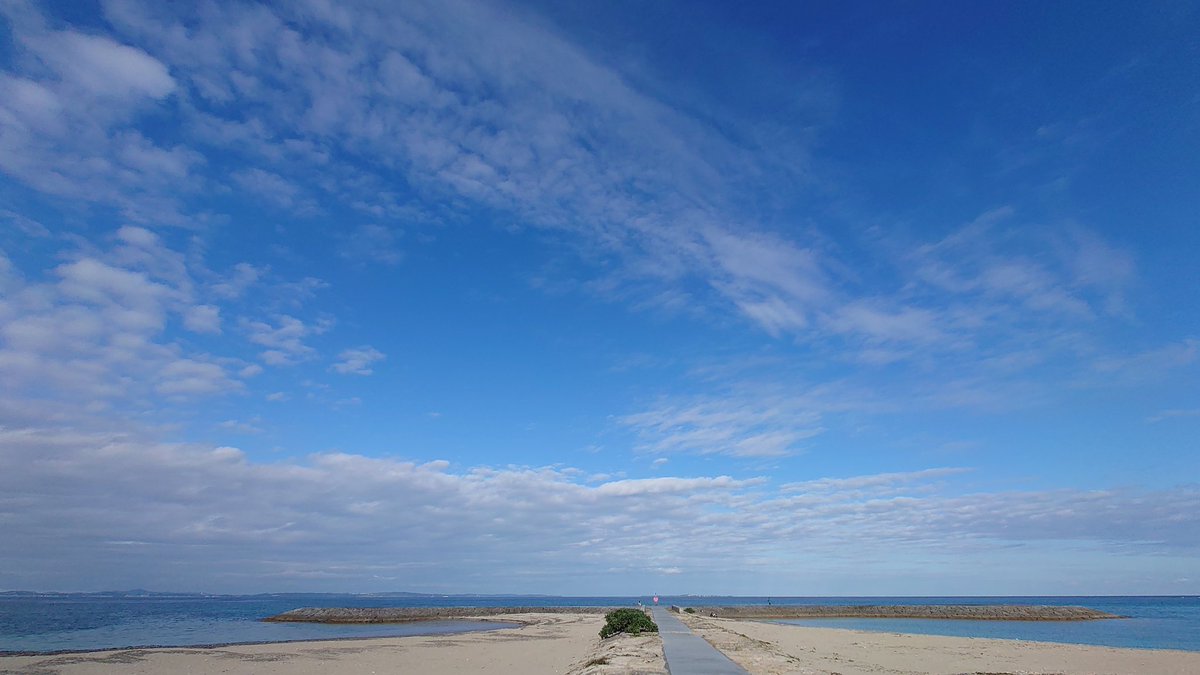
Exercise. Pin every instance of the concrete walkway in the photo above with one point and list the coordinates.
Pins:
(687, 653)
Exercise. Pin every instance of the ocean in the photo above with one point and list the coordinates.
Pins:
(84, 622)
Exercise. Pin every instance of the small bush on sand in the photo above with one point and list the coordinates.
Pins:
(630, 621)
(689, 610)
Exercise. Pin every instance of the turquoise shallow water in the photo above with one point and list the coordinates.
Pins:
(84, 622)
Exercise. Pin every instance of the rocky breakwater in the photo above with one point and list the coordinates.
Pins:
(406, 614)
(970, 612)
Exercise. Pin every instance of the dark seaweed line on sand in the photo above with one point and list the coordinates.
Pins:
(976, 612)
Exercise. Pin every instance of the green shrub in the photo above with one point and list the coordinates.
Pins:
(632, 621)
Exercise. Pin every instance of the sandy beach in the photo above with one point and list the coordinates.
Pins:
(774, 649)
(568, 643)
(547, 643)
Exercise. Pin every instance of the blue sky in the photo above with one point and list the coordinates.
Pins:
(582, 298)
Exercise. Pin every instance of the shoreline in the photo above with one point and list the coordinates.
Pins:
(775, 622)
(562, 642)
(251, 643)
(766, 648)
(545, 643)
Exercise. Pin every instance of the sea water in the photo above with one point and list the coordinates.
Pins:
(1151, 622)
(84, 622)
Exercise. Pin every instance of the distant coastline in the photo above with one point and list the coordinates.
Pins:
(957, 612)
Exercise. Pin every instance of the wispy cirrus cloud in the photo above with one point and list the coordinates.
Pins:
(433, 99)
(493, 121)
(746, 427)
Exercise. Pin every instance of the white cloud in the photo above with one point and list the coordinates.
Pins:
(774, 282)
(230, 523)
(240, 427)
(284, 338)
(103, 329)
(469, 107)
(66, 127)
(646, 486)
(874, 482)
(233, 285)
(102, 67)
(251, 370)
(357, 361)
(190, 377)
(92, 335)
(130, 296)
(466, 103)
(203, 319)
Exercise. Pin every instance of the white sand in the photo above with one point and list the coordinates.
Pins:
(552, 643)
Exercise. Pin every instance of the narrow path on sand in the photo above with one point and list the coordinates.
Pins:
(687, 653)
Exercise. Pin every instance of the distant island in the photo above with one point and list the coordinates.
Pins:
(133, 593)
(143, 593)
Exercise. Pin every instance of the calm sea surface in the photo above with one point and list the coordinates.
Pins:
(1153, 622)
(81, 622)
